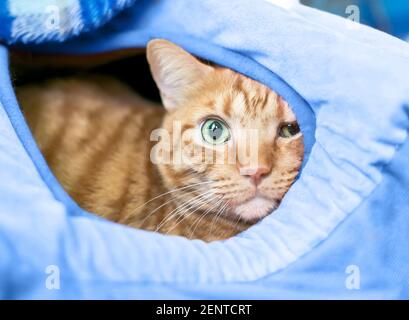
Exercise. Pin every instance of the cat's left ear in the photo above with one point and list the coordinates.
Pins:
(174, 70)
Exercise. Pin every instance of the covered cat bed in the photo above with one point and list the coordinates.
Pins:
(342, 230)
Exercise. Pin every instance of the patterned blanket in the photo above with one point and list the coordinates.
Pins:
(35, 21)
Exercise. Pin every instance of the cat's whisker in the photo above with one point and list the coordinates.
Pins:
(184, 216)
(181, 210)
(188, 203)
(171, 191)
(191, 202)
(237, 221)
(200, 218)
(162, 205)
(218, 214)
(208, 211)
(198, 203)
(159, 207)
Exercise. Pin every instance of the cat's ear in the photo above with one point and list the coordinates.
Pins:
(174, 70)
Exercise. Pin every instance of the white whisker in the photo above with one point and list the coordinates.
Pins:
(218, 214)
(184, 205)
(161, 206)
(208, 211)
(184, 216)
(164, 194)
(172, 191)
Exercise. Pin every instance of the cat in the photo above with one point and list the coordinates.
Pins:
(97, 137)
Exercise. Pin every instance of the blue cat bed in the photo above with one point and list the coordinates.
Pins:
(342, 230)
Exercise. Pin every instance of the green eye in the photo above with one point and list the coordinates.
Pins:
(215, 131)
(288, 130)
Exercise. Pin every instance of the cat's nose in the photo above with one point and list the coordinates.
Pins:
(256, 174)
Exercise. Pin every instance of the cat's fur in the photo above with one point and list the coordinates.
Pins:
(95, 135)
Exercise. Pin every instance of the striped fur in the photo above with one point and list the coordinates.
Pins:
(95, 135)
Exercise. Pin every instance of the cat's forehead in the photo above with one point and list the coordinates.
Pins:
(250, 103)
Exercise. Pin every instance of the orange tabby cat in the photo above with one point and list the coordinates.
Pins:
(100, 141)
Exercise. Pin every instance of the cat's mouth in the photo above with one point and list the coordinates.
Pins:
(254, 209)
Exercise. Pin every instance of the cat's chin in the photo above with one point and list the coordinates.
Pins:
(254, 209)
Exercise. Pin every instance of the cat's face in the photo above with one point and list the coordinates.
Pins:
(235, 145)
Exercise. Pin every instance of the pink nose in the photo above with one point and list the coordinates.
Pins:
(256, 174)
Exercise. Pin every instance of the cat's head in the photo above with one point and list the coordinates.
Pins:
(234, 146)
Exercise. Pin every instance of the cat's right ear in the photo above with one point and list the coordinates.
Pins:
(174, 70)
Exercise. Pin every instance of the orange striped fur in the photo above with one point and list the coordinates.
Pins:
(95, 135)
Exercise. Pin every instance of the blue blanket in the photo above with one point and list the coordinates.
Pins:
(341, 231)
(54, 20)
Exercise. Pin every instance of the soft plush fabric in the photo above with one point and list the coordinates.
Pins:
(341, 231)
(54, 20)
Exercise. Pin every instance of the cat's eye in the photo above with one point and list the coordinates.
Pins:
(288, 130)
(215, 131)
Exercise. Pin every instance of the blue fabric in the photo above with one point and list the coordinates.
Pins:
(347, 211)
(389, 16)
(386, 15)
(31, 21)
